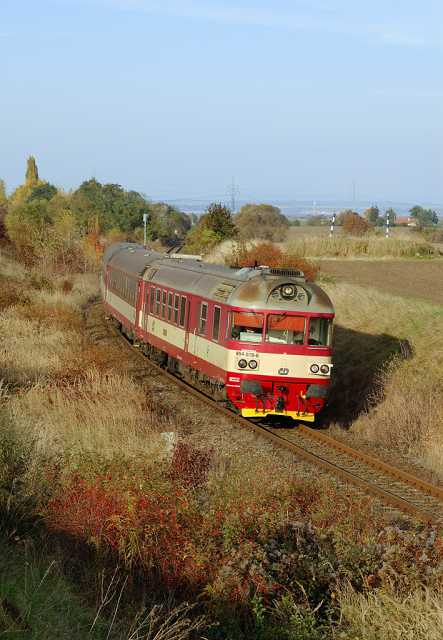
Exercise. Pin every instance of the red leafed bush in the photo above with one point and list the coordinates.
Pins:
(270, 255)
(354, 225)
(156, 530)
(190, 466)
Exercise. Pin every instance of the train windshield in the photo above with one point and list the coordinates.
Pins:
(285, 329)
(247, 326)
(320, 332)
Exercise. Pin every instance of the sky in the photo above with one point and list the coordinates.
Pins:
(174, 98)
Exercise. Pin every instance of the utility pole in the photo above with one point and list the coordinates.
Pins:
(233, 192)
(388, 223)
(145, 223)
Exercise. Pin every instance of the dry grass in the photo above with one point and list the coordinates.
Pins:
(417, 616)
(88, 416)
(30, 353)
(367, 247)
(40, 324)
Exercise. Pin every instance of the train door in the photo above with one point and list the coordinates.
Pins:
(186, 314)
(139, 306)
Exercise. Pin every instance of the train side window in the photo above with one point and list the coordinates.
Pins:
(163, 304)
(152, 299)
(182, 311)
(170, 306)
(176, 308)
(203, 318)
(216, 323)
(157, 301)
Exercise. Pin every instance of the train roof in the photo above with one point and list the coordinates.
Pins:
(254, 288)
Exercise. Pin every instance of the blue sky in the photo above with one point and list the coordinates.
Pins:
(174, 97)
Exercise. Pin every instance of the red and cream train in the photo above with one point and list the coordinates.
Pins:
(257, 338)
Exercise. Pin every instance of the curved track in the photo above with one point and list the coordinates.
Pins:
(396, 488)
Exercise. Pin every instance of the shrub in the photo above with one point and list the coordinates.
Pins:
(354, 225)
(269, 254)
(261, 221)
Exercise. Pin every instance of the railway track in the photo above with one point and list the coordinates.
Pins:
(394, 487)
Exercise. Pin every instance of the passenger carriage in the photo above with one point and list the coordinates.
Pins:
(257, 338)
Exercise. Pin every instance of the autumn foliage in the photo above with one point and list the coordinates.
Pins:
(269, 254)
(354, 225)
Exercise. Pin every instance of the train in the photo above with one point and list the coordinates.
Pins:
(257, 339)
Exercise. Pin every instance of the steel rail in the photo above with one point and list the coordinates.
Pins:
(387, 496)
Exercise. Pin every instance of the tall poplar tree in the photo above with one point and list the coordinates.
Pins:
(3, 208)
(31, 171)
(3, 196)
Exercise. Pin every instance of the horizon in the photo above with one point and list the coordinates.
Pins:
(304, 101)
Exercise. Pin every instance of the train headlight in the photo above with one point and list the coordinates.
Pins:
(324, 369)
(253, 364)
(242, 363)
(288, 291)
(314, 368)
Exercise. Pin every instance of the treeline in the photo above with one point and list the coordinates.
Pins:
(373, 217)
(261, 221)
(62, 228)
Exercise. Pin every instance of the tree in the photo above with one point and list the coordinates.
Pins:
(3, 209)
(32, 181)
(424, 217)
(45, 191)
(343, 214)
(218, 219)
(31, 172)
(213, 227)
(3, 196)
(372, 215)
(261, 221)
(27, 226)
(354, 224)
(167, 224)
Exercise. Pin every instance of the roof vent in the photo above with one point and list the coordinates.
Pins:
(290, 273)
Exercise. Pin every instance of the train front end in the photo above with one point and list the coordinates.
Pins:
(280, 346)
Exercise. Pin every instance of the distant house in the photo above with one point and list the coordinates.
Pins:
(406, 221)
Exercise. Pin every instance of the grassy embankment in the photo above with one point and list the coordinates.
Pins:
(389, 360)
(84, 472)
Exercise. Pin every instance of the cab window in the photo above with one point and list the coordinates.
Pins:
(285, 329)
(246, 326)
(320, 332)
